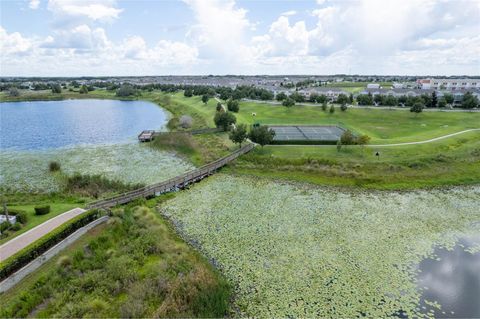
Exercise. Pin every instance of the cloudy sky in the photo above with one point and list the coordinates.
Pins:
(153, 37)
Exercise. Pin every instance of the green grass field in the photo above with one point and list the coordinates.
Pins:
(383, 126)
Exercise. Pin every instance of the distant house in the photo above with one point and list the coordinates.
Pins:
(331, 93)
(373, 86)
(448, 84)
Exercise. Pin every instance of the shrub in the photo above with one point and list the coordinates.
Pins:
(42, 210)
(186, 121)
(64, 261)
(233, 105)
(54, 166)
(21, 215)
(13, 92)
(16, 226)
(96, 185)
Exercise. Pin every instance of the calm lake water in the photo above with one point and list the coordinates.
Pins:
(55, 124)
(453, 281)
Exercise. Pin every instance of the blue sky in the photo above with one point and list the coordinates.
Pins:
(108, 37)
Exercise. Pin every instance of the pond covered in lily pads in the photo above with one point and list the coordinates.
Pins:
(84, 136)
(296, 250)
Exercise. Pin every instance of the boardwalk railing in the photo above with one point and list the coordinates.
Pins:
(173, 183)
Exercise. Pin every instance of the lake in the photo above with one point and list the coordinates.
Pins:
(84, 136)
(55, 124)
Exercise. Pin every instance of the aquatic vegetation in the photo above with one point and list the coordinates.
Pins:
(299, 250)
(28, 171)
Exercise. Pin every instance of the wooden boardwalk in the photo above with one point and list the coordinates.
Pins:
(172, 184)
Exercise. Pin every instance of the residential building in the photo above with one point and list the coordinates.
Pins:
(448, 84)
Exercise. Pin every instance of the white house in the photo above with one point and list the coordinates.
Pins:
(373, 86)
(448, 84)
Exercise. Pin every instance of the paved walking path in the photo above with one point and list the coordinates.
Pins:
(16, 244)
(427, 141)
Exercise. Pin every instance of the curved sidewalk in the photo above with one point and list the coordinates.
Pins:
(426, 141)
(18, 243)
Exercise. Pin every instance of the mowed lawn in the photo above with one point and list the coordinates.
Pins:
(383, 126)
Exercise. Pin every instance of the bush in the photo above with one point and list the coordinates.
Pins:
(16, 226)
(96, 185)
(42, 210)
(21, 215)
(186, 121)
(54, 166)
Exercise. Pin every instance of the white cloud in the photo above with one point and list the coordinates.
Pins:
(220, 30)
(289, 13)
(81, 37)
(284, 39)
(34, 4)
(93, 10)
(13, 43)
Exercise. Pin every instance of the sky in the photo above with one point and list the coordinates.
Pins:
(200, 37)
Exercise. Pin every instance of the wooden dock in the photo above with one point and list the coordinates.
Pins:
(146, 136)
(172, 184)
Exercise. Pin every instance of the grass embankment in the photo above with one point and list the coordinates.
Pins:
(135, 266)
(452, 161)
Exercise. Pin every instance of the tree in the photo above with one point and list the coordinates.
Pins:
(188, 92)
(224, 120)
(350, 98)
(324, 106)
(378, 98)
(205, 98)
(313, 98)
(427, 100)
(262, 135)
(342, 99)
(343, 107)
(322, 98)
(56, 88)
(126, 90)
(332, 109)
(233, 105)
(281, 96)
(434, 99)
(288, 102)
(13, 92)
(442, 102)
(83, 89)
(239, 134)
(297, 97)
(347, 138)
(417, 108)
(469, 101)
(449, 98)
(219, 107)
(390, 100)
(363, 140)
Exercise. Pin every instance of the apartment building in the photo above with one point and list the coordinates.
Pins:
(448, 84)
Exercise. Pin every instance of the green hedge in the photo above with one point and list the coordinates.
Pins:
(42, 210)
(304, 142)
(32, 251)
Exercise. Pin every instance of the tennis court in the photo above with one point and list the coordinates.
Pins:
(308, 133)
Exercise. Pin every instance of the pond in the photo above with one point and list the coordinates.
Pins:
(451, 278)
(84, 136)
(54, 124)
